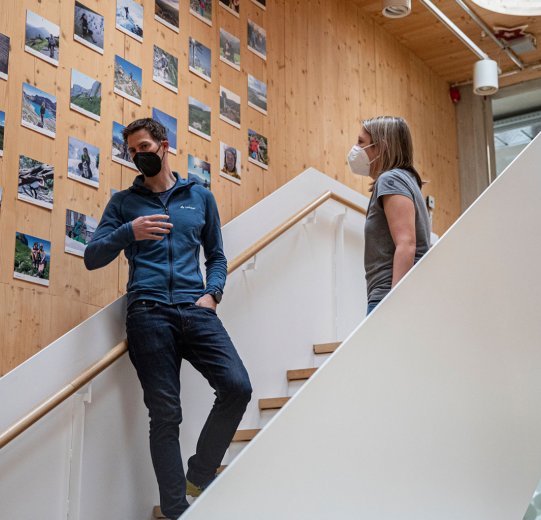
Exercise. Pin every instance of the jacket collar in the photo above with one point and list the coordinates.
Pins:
(138, 185)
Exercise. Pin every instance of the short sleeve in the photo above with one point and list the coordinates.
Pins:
(393, 183)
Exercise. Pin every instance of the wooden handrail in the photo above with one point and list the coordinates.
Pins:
(118, 351)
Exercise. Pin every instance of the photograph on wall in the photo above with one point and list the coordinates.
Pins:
(2, 129)
(166, 12)
(165, 70)
(199, 60)
(233, 6)
(229, 107)
(4, 56)
(36, 182)
(199, 171)
(129, 18)
(199, 118)
(42, 38)
(230, 163)
(202, 9)
(258, 149)
(39, 110)
(260, 3)
(257, 94)
(88, 27)
(257, 40)
(83, 162)
(32, 259)
(229, 49)
(79, 232)
(170, 124)
(120, 152)
(85, 95)
(128, 80)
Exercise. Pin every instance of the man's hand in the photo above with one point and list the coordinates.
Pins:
(151, 227)
(207, 301)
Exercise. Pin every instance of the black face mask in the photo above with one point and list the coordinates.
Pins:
(148, 163)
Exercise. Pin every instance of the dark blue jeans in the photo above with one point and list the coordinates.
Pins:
(159, 338)
(371, 306)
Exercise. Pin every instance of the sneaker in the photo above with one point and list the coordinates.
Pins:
(193, 490)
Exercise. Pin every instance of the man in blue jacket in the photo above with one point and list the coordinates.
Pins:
(161, 222)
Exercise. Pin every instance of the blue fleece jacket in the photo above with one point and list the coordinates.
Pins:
(163, 270)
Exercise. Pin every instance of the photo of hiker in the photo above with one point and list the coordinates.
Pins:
(261, 3)
(202, 9)
(165, 70)
(257, 94)
(128, 80)
(166, 12)
(88, 27)
(83, 162)
(199, 118)
(230, 163)
(229, 107)
(42, 38)
(120, 148)
(258, 149)
(257, 40)
(32, 259)
(36, 182)
(199, 171)
(170, 124)
(39, 110)
(4, 56)
(2, 128)
(79, 232)
(229, 49)
(233, 6)
(199, 60)
(85, 95)
(129, 18)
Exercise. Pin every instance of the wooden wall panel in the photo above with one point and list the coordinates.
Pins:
(328, 66)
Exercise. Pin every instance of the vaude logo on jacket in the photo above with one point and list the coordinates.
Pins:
(182, 206)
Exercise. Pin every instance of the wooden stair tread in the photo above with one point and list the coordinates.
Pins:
(326, 348)
(273, 403)
(245, 435)
(300, 374)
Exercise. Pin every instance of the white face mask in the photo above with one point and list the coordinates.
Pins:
(358, 160)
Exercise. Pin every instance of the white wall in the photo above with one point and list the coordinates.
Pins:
(431, 407)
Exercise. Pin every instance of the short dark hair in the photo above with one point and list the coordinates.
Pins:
(156, 130)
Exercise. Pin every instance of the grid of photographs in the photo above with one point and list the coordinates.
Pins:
(83, 162)
(80, 229)
(128, 80)
(4, 56)
(199, 61)
(170, 124)
(42, 38)
(229, 49)
(85, 95)
(88, 27)
(166, 12)
(233, 6)
(39, 110)
(120, 152)
(32, 259)
(230, 164)
(258, 149)
(36, 182)
(199, 171)
(2, 128)
(202, 9)
(229, 107)
(257, 40)
(199, 118)
(257, 94)
(165, 69)
(129, 18)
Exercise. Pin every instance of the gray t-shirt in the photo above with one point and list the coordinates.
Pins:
(379, 246)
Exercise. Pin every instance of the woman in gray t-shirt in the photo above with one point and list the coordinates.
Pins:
(397, 228)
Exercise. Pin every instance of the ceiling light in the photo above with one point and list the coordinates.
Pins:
(396, 8)
(485, 78)
(513, 7)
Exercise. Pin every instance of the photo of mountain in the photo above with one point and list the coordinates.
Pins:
(199, 60)
(42, 38)
(229, 107)
(36, 182)
(257, 94)
(199, 171)
(80, 229)
(88, 27)
(128, 80)
(170, 124)
(199, 118)
(129, 18)
(120, 148)
(4, 56)
(32, 259)
(166, 12)
(85, 95)
(39, 110)
(165, 69)
(83, 162)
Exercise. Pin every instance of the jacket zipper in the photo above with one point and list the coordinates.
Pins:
(170, 244)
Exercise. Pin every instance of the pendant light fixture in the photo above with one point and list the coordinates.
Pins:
(512, 7)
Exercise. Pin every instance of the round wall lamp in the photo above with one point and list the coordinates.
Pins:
(485, 78)
(513, 7)
(396, 8)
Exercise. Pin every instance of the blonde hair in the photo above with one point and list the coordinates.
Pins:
(392, 138)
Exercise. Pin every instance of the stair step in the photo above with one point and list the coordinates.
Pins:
(245, 435)
(326, 348)
(300, 374)
(273, 403)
